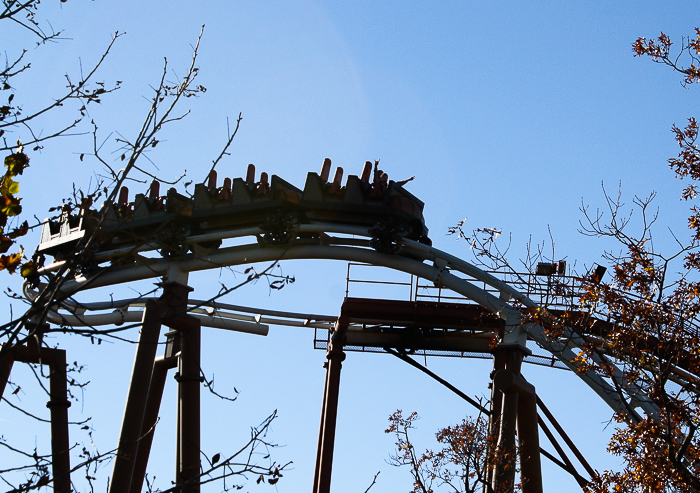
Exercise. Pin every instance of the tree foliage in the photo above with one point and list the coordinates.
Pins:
(461, 464)
(10, 207)
(652, 305)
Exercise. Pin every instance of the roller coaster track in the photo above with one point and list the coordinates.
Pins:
(441, 268)
(217, 228)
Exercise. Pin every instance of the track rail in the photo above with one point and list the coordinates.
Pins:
(443, 269)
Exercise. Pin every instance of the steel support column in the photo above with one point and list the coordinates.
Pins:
(512, 384)
(189, 380)
(503, 475)
(499, 363)
(529, 443)
(321, 429)
(329, 413)
(123, 472)
(58, 406)
(189, 385)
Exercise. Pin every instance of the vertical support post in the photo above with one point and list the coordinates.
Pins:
(514, 385)
(177, 438)
(529, 443)
(189, 382)
(321, 428)
(505, 472)
(58, 406)
(123, 471)
(329, 413)
(503, 478)
(495, 416)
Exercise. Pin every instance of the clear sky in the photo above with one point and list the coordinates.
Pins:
(507, 113)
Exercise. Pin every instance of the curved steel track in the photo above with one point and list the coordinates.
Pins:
(344, 243)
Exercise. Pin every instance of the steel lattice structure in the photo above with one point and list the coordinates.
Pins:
(375, 222)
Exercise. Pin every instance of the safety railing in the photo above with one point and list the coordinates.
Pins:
(553, 291)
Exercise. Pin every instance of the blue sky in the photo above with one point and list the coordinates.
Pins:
(507, 113)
